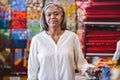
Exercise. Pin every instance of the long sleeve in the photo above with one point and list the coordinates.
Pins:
(81, 63)
(117, 52)
(33, 64)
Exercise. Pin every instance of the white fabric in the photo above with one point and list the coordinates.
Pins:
(117, 52)
(51, 61)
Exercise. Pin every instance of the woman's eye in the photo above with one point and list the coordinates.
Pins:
(56, 14)
(48, 14)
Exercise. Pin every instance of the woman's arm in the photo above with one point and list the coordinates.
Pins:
(116, 55)
(81, 63)
(33, 63)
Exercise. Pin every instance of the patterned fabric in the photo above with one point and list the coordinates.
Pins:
(34, 11)
(4, 39)
(5, 14)
(19, 34)
(19, 20)
(18, 5)
(34, 27)
(106, 73)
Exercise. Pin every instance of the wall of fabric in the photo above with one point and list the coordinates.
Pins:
(19, 22)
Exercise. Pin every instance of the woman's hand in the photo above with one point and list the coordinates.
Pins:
(99, 68)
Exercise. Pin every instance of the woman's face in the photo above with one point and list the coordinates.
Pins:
(53, 17)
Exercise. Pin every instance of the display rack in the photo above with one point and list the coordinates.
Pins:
(100, 38)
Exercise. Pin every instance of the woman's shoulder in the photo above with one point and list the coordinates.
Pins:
(72, 35)
(70, 32)
(118, 42)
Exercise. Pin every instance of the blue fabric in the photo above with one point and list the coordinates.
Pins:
(19, 5)
(3, 24)
(106, 73)
(19, 34)
(18, 43)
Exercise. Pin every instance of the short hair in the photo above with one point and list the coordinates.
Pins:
(43, 23)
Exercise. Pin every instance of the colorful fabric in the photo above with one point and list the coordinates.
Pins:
(5, 12)
(33, 33)
(3, 24)
(5, 2)
(19, 58)
(34, 11)
(4, 39)
(18, 43)
(6, 33)
(33, 25)
(19, 34)
(106, 73)
(19, 5)
(70, 10)
(19, 20)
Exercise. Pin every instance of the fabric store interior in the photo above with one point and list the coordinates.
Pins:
(96, 22)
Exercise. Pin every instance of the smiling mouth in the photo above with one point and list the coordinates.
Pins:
(52, 21)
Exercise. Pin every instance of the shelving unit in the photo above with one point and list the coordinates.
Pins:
(103, 11)
(100, 38)
(101, 27)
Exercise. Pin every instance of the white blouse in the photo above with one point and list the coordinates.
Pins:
(51, 61)
(117, 51)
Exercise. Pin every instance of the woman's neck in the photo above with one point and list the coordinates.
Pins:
(55, 32)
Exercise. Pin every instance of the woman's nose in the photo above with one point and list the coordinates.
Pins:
(52, 15)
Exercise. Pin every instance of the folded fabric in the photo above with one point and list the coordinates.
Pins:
(106, 73)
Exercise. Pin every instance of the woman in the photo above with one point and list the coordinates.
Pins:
(55, 52)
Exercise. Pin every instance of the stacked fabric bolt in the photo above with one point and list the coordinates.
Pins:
(106, 62)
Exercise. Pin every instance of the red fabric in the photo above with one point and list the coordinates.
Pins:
(19, 20)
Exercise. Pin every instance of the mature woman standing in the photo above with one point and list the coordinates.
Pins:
(55, 52)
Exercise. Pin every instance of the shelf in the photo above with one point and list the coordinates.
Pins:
(103, 23)
(99, 54)
(109, 3)
(100, 38)
(19, 73)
